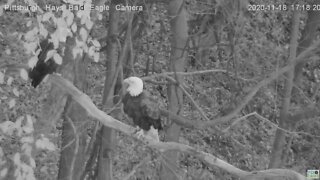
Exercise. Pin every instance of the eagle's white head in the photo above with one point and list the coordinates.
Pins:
(133, 85)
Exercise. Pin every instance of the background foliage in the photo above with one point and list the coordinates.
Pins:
(248, 45)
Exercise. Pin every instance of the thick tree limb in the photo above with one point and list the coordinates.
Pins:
(285, 174)
(207, 158)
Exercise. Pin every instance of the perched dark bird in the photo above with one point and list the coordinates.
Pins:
(43, 66)
(141, 108)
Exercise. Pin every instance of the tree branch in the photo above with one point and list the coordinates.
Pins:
(209, 159)
(165, 74)
(272, 76)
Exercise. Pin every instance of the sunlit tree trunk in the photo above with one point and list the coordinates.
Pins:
(179, 30)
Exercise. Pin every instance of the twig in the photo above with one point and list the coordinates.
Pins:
(183, 73)
(173, 167)
(238, 120)
(269, 122)
(190, 98)
(285, 130)
(134, 169)
(305, 54)
(273, 76)
(67, 145)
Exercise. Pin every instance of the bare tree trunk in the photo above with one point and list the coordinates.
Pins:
(108, 135)
(179, 30)
(308, 34)
(279, 142)
(71, 159)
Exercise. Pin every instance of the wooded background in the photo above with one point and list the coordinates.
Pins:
(237, 82)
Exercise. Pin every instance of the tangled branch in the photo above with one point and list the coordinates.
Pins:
(209, 159)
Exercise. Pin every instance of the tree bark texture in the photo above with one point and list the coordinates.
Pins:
(108, 135)
(279, 142)
(179, 28)
(71, 159)
(308, 36)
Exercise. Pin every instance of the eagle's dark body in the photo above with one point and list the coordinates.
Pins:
(143, 110)
(42, 68)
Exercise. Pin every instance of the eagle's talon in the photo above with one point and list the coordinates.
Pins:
(153, 134)
(142, 109)
(140, 133)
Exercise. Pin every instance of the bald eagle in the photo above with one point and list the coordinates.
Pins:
(43, 66)
(141, 108)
